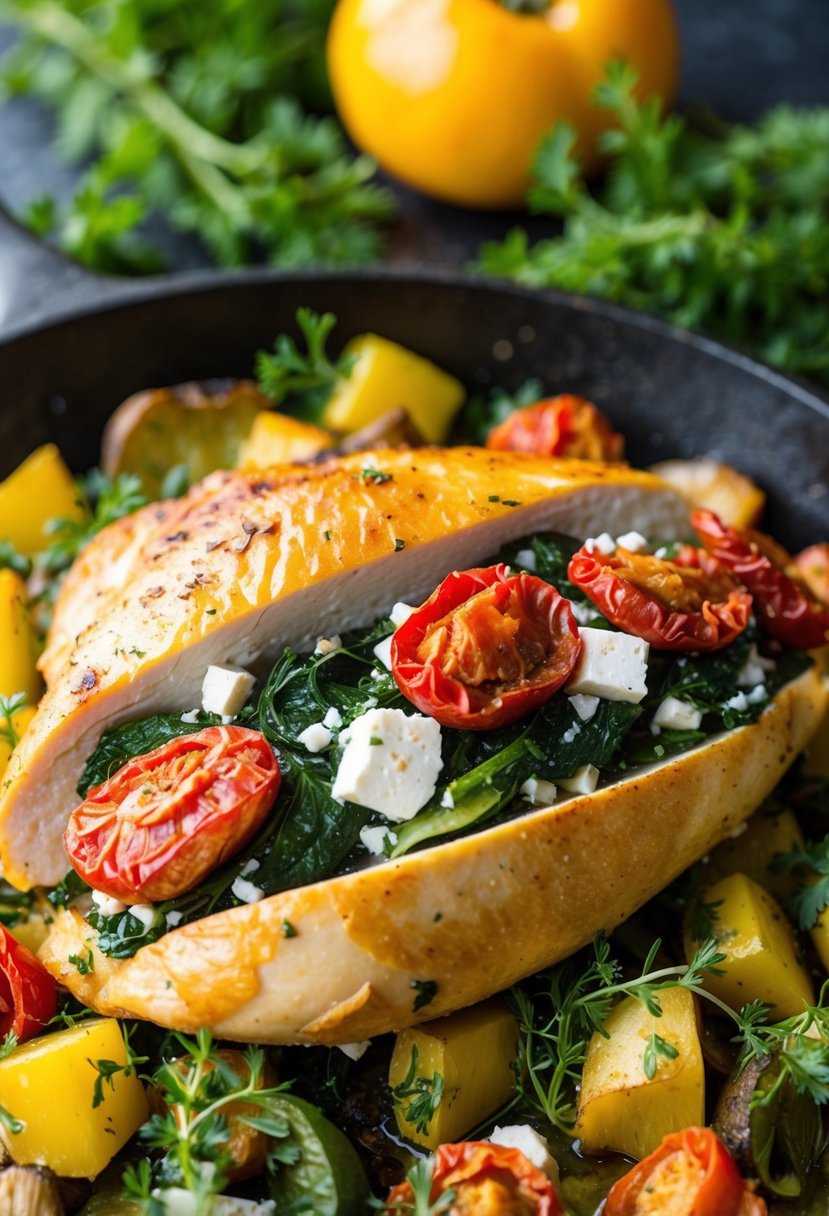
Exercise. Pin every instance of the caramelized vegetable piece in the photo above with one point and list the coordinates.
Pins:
(472, 1052)
(761, 962)
(387, 375)
(246, 1146)
(707, 483)
(277, 439)
(18, 642)
(39, 490)
(691, 1173)
(200, 425)
(774, 1133)
(769, 832)
(49, 1084)
(565, 426)
(27, 1190)
(813, 567)
(481, 1179)
(620, 1107)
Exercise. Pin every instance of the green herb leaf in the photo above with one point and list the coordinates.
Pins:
(309, 374)
(422, 1095)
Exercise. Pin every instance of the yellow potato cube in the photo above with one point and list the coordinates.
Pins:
(770, 831)
(49, 1085)
(473, 1052)
(277, 439)
(386, 376)
(761, 962)
(620, 1107)
(18, 640)
(39, 490)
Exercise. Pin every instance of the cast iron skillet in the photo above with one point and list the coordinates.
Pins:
(72, 345)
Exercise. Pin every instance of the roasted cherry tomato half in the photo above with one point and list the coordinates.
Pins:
(28, 994)
(165, 820)
(485, 1178)
(689, 603)
(691, 1174)
(486, 648)
(785, 606)
(566, 426)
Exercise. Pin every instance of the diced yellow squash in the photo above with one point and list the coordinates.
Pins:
(49, 1085)
(18, 640)
(32, 932)
(473, 1051)
(20, 722)
(770, 831)
(278, 439)
(761, 962)
(387, 375)
(620, 1108)
(707, 483)
(39, 490)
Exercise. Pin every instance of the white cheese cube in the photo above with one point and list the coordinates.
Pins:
(315, 737)
(355, 1051)
(400, 613)
(390, 763)
(634, 542)
(526, 558)
(191, 716)
(383, 652)
(754, 670)
(107, 905)
(584, 706)
(583, 781)
(538, 791)
(333, 718)
(611, 665)
(374, 839)
(246, 891)
(225, 690)
(603, 543)
(675, 714)
(527, 1140)
(144, 913)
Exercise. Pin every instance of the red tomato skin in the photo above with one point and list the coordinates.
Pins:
(218, 785)
(27, 990)
(473, 1160)
(786, 610)
(721, 1187)
(566, 427)
(645, 616)
(448, 700)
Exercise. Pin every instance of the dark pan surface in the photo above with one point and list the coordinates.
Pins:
(670, 393)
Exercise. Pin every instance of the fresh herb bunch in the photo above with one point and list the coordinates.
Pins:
(726, 231)
(310, 374)
(559, 1011)
(189, 1135)
(196, 111)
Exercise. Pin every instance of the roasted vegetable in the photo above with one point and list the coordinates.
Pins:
(385, 375)
(771, 831)
(18, 642)
(643, 1078)
(51, 1086)
(707, 483)
(279, 439)
(27, 1190)
(319, 1169)
(761, 962)
(40, 490)
(774, 1133)
(199, 426)
(449, 1075)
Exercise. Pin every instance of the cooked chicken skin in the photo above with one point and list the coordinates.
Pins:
(250, 562)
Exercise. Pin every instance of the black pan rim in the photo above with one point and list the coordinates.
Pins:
(123, 295)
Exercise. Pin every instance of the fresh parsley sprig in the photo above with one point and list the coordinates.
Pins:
(196, 111)
(289, 371)
(721, 231)
(423, 1094)
(812, 896)
(112, 500)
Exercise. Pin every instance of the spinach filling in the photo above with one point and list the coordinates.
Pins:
(311, 836)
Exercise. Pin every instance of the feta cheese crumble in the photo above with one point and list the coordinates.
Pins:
(538, 791)
(584, 705)
(390, 763)
(527, 1140)
(316, 737)
(583, 781)
(374, 839)
(225, 689)
(246, 891)
(611, 665)
(675, 714)
(634, 542)
(328, 645)
(400, 613)
(383, 652)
